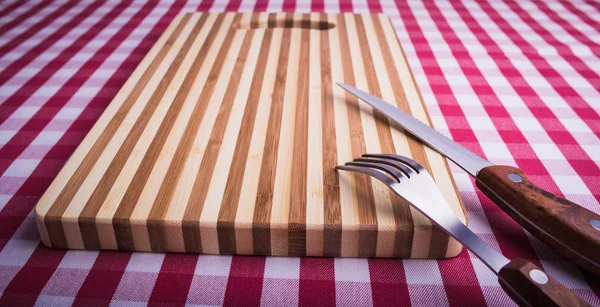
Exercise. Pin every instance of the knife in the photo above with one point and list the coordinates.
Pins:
(568, 228)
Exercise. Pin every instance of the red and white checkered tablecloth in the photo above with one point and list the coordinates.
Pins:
(517, 82)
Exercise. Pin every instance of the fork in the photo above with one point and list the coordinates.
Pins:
(524, 282)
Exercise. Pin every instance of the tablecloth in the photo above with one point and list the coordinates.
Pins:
(517, 82)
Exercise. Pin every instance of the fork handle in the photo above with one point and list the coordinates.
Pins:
(563, 225)
(527, 285)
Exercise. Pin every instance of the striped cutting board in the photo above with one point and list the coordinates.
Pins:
(225, 137)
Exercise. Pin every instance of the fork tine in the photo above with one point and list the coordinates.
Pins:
(408, 161)
(407, 171)
(366, 170)
(388, 169)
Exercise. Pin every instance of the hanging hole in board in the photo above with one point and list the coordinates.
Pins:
(284, 23)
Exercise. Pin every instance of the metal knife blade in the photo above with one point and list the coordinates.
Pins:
(563, 225)
(463, 157)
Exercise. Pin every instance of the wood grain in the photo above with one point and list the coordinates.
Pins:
(332, 218)
(261, 235)
(225, 138)
(558, 222)
(515, 278)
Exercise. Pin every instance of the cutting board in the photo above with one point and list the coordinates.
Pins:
(224, 141)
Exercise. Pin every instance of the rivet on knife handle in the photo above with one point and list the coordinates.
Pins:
(527, 285)
(561, 224)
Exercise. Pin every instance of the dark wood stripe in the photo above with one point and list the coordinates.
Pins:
(297, 213)
(87, 218)
(261, 231)
(288, 22)
(272, 22)
(364, 190)
(439, 241)
(254, 22)
(53, 218)
(332, 237)
(129, 200)
(295, 231)
(403, 240)
(400, 207)
(386, 143)
(439, 238)
(437, 234)
(233, 187)
(191, 219)
(156, 219)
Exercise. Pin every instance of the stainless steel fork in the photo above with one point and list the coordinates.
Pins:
(525, 283)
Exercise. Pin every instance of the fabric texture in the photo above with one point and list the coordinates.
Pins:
(516, 82)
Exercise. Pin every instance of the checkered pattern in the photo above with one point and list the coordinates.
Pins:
(516, 82)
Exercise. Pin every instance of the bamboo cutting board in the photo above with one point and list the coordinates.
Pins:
(224, 141)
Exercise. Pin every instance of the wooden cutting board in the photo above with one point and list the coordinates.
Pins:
(224, 141)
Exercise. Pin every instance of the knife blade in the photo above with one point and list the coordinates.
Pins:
(569, 228)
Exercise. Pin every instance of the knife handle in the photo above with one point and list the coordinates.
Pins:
(527, 285)
(563, 225)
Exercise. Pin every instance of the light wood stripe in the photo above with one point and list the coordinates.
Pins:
(54, 216)
(385, 221)
(350, 223)
(391, 90)
(261, 232)
(297, 211)
(57, 186)
(117, 192)
(362, 115)
(165, 193)
(438, 165)
(127, 205)
(389, 243)
(181, 151)
(314, 212)
(227, 127)
(228, 210)
(222, 100)
(225, 138)
(91, 208)
(282, 186)
(247, 216)
(332, 232)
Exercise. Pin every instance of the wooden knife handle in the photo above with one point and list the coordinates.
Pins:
(527, 285)
(561, 224)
